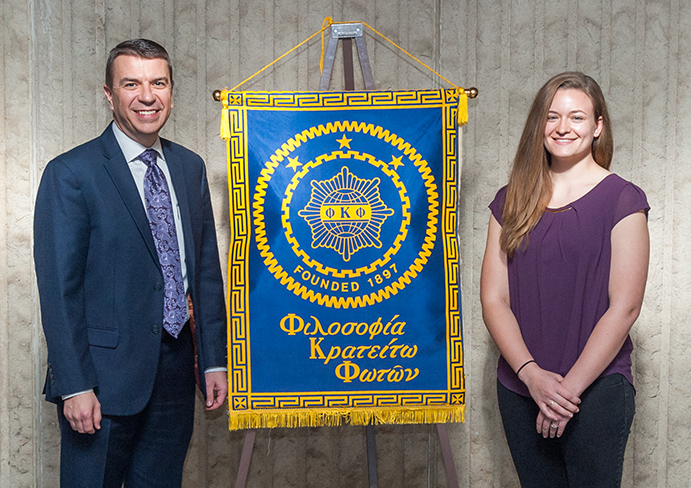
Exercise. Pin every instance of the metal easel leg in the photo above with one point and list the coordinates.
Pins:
(371, 456)
(348, 64)
(244, 467)
(365, 66)
(348, 32)
(328, 62)
(451, 475)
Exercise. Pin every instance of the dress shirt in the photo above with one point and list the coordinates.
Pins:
(131, 150)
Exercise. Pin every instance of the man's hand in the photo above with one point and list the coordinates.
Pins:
(216, 389)
(83, 413)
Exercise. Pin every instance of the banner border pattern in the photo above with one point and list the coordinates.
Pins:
(354, 407)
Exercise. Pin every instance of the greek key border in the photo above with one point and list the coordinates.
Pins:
(240, 403)
(332, 100)
(449, 227)
(238, 262)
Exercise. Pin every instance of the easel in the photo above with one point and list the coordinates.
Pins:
(346, 33)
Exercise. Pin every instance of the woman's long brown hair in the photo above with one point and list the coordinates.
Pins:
(530, 186)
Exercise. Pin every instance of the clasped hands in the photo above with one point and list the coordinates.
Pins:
(556, 402)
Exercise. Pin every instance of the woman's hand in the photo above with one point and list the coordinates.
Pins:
(550, 428)
(555, 401)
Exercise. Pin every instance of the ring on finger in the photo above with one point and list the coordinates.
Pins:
(551, 403)
(554, 426)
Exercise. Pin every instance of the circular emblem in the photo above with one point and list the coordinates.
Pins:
(345, 228)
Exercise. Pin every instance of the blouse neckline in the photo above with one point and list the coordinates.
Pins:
(570, 204)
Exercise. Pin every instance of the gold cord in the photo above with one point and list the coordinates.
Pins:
(328, 21)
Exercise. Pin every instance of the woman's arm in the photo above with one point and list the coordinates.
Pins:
(545, 387)
(628, 274)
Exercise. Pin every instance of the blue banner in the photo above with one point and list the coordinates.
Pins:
(344, 265)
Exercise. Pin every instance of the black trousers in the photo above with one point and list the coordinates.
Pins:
(590, 452)
(146, 450)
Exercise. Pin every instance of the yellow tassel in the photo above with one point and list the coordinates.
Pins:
(225, 124)
(462, 107)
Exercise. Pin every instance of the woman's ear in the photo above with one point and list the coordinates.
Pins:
(598, 128)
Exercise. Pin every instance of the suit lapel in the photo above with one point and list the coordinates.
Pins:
(120, 173)
(177, 174)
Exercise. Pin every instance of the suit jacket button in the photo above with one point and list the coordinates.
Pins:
(157, 287)
(156, 329)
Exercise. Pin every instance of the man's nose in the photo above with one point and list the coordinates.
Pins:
(146, 94)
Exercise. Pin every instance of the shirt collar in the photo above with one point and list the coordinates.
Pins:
(130, 148)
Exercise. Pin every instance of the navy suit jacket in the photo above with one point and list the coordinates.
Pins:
(99, 280)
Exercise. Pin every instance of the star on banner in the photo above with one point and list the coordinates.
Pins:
(294, 164)
(344, 141)
(396, 162)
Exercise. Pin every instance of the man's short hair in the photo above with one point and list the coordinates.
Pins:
(142, 48)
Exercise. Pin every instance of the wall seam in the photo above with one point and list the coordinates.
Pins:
(668, 226)
(606, 49)
(637, 132)
(4, 308)
(572, 48)
(36, 316)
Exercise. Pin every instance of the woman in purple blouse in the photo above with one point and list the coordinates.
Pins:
(562, 283)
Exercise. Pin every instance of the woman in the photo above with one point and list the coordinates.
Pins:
(562, 283)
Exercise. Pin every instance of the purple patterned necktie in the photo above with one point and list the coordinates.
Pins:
(159, 210)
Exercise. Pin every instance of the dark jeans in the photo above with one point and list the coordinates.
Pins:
(590, 453)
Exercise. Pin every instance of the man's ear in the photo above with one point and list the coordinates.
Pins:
(109, 95)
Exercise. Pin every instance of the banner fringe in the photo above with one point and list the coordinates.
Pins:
(333, 417)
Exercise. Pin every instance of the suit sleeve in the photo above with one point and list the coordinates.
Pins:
(212, 310)
(61, 241)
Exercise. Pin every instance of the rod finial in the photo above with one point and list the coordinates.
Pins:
(216, 94)
(472, 92)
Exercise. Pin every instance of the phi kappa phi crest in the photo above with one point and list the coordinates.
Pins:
(340, 233)
(345, 213)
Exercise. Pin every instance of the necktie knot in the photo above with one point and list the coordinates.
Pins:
(149, 157)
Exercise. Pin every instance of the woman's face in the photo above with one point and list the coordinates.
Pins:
(571, 126)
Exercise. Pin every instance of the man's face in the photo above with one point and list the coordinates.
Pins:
(141, 98)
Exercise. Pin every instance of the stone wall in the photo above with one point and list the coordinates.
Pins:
(52, 58)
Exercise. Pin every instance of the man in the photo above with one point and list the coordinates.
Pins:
(123, 236)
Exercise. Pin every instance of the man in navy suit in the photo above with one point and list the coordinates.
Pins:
(124, 384)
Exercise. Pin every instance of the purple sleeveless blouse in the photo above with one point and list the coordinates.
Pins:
(558, 285)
